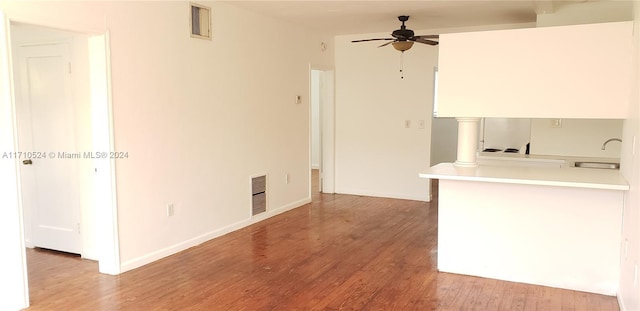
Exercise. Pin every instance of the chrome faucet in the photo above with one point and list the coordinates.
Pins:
(604, 146)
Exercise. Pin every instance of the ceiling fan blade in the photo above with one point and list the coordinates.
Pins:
(364, 40)
(425, 41)
(386, 44)
(428, 36)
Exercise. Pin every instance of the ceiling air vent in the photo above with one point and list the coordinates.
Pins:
(200, 21)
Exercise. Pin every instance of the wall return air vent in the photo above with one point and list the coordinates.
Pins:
(200, 21)
(258, 195)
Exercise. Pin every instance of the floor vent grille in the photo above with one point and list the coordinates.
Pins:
(258, 195)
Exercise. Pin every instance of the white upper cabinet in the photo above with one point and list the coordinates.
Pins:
(577, 71)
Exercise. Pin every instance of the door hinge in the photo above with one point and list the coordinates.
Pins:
(78, 228)
(69, 67)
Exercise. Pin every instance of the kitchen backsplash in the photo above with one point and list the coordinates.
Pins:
(566, 137)
(576, 137)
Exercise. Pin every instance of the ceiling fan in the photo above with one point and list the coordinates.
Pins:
(404, 38)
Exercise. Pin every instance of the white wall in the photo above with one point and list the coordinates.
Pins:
(197, 117)
(576, 137)
(375, 154)
(226, 112)
(502, 133)
(629, 292)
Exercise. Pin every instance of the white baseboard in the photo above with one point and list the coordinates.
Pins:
(424, 197)
(176, 248)
(621, 303)
(90, 255)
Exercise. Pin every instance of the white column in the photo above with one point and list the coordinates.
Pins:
(467, 141)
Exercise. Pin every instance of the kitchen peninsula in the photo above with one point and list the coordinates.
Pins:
(557, 227)
(541, 221)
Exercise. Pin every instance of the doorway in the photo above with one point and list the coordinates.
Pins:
(322, 131)
(99, 216)
(316, 133)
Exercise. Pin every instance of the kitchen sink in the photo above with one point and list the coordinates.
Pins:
(604, 165)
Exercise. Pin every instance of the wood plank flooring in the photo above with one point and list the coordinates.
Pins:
(341, 252)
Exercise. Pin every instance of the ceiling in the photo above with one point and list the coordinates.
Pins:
(354, 17)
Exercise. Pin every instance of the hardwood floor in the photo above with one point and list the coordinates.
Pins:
(340, 252)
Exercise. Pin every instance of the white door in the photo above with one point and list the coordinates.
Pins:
(45, 116)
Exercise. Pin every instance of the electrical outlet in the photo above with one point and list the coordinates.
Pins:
(170, 209)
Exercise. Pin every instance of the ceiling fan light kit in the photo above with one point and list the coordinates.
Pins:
(402, 45)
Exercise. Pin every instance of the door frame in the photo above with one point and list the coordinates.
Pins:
(327, 129)
(14, 288)
(316, 91)
(103, 139)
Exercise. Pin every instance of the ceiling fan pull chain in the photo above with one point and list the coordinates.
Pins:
(402, 65)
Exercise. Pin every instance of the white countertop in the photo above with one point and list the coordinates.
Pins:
(561, 177)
